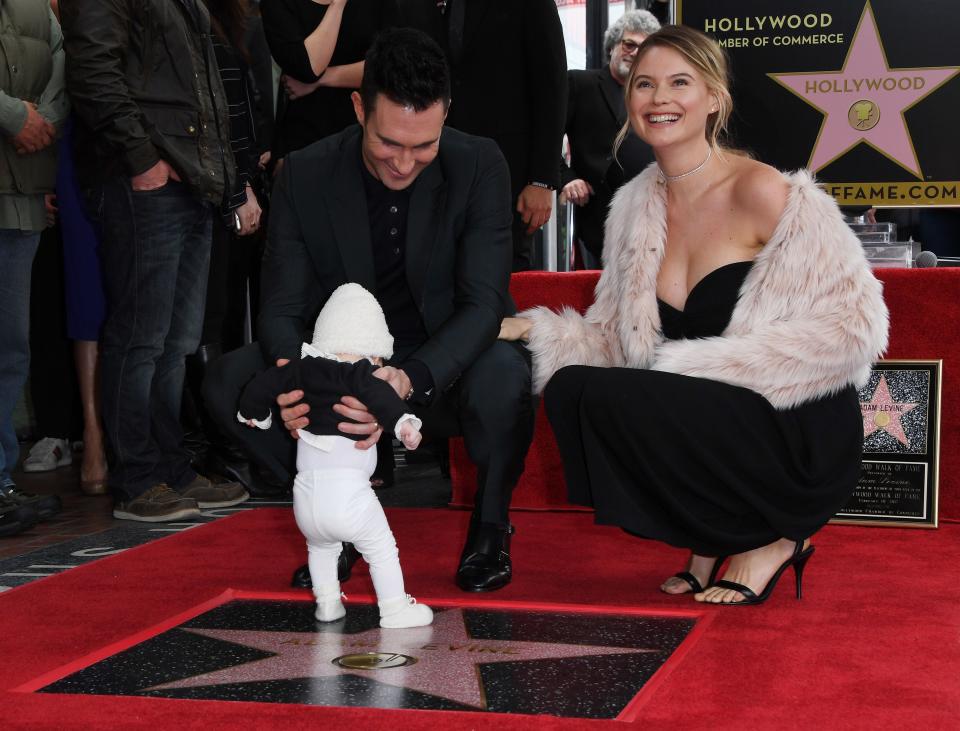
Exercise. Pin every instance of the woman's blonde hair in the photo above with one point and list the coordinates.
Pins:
(710, 61)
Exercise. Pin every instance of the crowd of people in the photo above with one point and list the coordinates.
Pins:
(409, 161)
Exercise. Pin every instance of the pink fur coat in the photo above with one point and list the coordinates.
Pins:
(810, 319)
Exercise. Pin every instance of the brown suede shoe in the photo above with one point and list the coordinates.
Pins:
(156, 505)
(210, 495)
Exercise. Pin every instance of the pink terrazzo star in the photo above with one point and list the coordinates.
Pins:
(859, 106)
(447, 658)
(882, 412)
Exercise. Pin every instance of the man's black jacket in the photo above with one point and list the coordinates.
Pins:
(458, 247)
(143, 79)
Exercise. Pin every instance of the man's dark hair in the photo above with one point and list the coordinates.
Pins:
(408, 67)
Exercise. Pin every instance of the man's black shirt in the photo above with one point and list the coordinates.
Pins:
(387, 210)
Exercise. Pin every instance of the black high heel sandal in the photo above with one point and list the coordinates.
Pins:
(798, 560)
(693, 582)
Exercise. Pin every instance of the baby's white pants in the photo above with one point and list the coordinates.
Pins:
(333, 502)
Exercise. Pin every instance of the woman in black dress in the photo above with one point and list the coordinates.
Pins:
(319, 45)
(707, 398)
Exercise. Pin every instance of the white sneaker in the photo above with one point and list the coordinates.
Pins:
(329, 603)
(47, 455)
(403, 611)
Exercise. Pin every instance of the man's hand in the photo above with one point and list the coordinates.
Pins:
(155, 177)
(576, 191)
(396, 378)
(249, 214)
(355, 409)
(534, 205)
(36, 133)
(50, 206)
(292, 412)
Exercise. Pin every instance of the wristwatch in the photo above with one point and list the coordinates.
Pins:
(538, 184)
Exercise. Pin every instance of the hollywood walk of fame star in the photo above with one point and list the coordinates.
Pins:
(447, 658)
(865, 100)
(882, 412)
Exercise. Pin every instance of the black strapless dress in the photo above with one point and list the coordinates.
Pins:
(698, 463)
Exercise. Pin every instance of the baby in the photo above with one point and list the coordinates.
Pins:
(332, 498)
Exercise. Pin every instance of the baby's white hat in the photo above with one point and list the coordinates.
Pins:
(352, 321)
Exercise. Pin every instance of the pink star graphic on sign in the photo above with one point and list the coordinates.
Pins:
(445, 658)
(865, 100)
(882, 412)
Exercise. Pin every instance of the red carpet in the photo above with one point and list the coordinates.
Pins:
(872, 644)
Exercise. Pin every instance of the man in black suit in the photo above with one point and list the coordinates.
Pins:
(419, 215)
(595, 114)
(508, 64)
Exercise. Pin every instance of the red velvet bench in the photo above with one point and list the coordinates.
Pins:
(924, 320)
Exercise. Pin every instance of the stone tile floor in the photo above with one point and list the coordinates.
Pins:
(81, 515)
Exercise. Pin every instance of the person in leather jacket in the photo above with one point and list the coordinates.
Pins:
(154, 153)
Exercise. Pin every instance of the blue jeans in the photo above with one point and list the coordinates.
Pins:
(155, 253)
(17, 249)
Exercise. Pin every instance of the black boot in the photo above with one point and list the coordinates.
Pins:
(485, 561)
(348, 557)
(214, 455)
(198, 429)
(15, 517)
(231, 462)
(43, 506)
(194, 436)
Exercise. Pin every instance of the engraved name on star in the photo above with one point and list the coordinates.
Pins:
(447, 657)
(882, 412)
(865, 100)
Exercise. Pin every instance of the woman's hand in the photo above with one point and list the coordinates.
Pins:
(296, 89)
(515, 328)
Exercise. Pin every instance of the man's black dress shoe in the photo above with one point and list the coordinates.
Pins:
(485, 562)
(348, 557)
(301, 578)
(236, 468)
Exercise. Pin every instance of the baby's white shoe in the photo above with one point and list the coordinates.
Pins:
(329, 603)
(403, 611)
